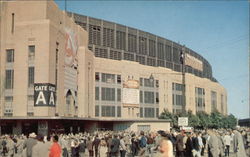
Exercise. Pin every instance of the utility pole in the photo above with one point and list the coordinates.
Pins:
(182, 60)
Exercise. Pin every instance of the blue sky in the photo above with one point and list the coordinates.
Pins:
(219, 31)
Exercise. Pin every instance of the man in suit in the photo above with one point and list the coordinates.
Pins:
(29, 143)
(213, 146)
(180, 145)
(238, 145)
(40, 149)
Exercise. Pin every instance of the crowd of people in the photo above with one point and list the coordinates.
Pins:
(212, 143)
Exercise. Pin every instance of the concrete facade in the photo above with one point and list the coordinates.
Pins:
(62, 58)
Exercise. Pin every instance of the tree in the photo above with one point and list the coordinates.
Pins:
(168, 115)
(205, 120)
(202, 120)
(232, 121)
(216, 119)
(193, 120)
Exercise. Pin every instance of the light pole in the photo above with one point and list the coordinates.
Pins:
(88, 89)
(182, 60)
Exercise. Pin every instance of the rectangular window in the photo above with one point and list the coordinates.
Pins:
(148, 83)
(213, 101)
(94, 34)
(8, 99)
(157, 112)
(108, 37)
(108, 111)
(97, 111)
(141, 112)
(168, 52)
(97, 77)
(32, 52)
(132, 43)
(118, 111)
(148, 97)
(222, 103)
(119, 80)
(152, 48)
(141, 96)
(120, 40)
(200, 98)
(96, 93)
(149, 112)
(157, 83)
(9, 79)
(157, 98)
(31, 77)
(118, 95)
(10, 55)
(142, 45)
(108, 94)
(108, 78)
(178, 94)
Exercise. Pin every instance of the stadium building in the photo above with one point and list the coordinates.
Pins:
(65, 72)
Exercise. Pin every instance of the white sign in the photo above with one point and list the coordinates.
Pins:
(183, 121)
(193, 62)
(131, 96)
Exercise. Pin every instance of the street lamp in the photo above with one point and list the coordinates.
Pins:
(182, 62)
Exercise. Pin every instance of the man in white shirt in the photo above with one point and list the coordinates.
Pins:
(227, 141)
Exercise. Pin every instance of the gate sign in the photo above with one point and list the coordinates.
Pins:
(182, 121)
(44, 94)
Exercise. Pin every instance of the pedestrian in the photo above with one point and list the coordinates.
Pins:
(122, 147)
(103, 148)
(180, 145)
(64, 145)
(238, 144)
(90, 147)
(213, 145)
(204, 141)
(19, 146)
(165, 148)
(74, 148)
(96, 143)
(196, 146)
(134, 149)
(142, 144)
(40, 149)
(29, 144)
(10, 146)
(189, 146)
(55, 150)
(82, 147)
(115, 146)
(150, 143)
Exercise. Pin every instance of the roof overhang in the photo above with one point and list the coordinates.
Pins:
(85, 119)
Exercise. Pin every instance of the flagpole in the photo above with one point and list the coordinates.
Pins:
(65, 5)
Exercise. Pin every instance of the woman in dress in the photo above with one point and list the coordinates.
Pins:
(103, 148)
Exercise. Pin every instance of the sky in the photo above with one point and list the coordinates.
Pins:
(217, 30)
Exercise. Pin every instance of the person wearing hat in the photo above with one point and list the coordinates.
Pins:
(238, 145)
(180, 144)
(29, 144)
(40, 149)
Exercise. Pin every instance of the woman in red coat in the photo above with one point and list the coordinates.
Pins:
(55, 149)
